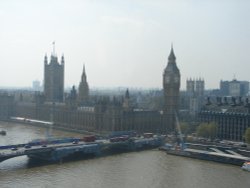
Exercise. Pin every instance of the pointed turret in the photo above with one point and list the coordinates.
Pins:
(126, 103)
(127, 94)
(172, 67)
(62, 60)
(83, 89)
(84, 76)
(45, 59)
(171, 55)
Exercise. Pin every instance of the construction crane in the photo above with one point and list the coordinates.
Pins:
(182, 144)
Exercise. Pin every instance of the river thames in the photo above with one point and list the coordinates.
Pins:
(144, 169)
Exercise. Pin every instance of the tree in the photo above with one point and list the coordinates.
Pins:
(247, 135)
(202, 130)
(184, 128)
(212, 129)
(207, 130)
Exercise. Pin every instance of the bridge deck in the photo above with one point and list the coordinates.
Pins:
(59, 150)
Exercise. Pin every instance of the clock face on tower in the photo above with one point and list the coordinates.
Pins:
(167, 79)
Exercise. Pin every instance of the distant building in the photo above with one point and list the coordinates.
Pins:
(36, 85)
(190, 87)
(126, 101)
(195, 94)
(6, 106)
(234, 88)
(53, 79)
(83, 89)
(232, 115)
(224, 88)
(171, 87)
(199, 87)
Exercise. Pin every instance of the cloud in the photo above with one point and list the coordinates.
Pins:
(121, 21)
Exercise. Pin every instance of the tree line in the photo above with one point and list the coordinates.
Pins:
(207, 130)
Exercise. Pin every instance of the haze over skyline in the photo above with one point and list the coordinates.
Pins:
(125, 43)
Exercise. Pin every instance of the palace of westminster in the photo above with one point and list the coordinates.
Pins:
(104, 114)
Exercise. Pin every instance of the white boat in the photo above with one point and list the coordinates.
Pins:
(246, 166)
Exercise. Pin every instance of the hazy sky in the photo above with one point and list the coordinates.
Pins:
(125, 42)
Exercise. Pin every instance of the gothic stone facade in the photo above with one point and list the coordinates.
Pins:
(6, 106)
(53, 79)
(171, 87)
(104, 115)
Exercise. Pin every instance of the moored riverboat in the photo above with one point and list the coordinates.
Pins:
(246, 166)
(3, 132)
(209, 156)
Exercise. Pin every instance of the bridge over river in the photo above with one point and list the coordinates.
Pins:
(59, 151)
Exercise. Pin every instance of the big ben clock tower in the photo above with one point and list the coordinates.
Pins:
(171, 87)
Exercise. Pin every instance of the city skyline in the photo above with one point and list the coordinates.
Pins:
(125, 43)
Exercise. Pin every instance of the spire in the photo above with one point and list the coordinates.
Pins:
(126, 104)
(45, 59)
(62, 59)
(83, 88)
(83, 71)
(127, 94)
(171, 66)
(84, 74)
(171, 55)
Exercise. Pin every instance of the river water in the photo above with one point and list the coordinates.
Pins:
(144, 169)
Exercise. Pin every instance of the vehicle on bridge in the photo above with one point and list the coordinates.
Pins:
(14, 149)
(27, 146)
(119, 139)
(148, 135)
(75, 142)
(89, 138)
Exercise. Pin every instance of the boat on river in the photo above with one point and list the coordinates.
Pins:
(3, 132)
(246, 166)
